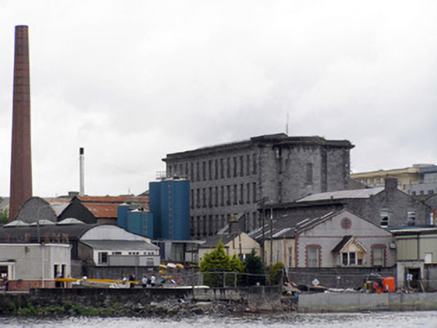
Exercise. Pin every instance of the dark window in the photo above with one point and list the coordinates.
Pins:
(241, 166)
(235, 166)
(210, 170)
(235, 195)
(309, 173)
(248, 164)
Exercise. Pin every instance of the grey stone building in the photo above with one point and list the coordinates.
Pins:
(384, 206)
(240, 177)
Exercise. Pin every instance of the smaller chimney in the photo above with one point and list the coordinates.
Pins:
(391, 183)
(81, 163)
(234, 225)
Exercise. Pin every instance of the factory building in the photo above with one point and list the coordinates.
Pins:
(240, 178)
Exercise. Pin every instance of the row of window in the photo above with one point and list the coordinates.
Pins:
(238, 194)
(103, 256)
(208, 225)
(385, 218)
(229, 167)
(378, 255)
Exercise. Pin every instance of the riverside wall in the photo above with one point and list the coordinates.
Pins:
(362, 302)
(149, 301)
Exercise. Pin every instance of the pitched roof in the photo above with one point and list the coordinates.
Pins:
(212, 241)
(342, 194)
(341, 244)
(286, 227)
(120, 245)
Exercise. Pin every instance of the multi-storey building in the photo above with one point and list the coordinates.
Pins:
(239, 177)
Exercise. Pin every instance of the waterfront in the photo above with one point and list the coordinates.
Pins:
(356, 320)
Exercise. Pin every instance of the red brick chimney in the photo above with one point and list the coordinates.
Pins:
(21, 160)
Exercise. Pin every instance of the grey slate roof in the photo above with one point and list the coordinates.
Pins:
(342, 194)
(287, 226)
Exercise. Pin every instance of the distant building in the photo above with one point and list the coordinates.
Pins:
(239, 177)
(384, 206)
(100, 209)
(419, 180)
(333, 239)
(31, 265)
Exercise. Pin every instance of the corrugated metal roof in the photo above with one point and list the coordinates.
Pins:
(342, 194)
(120, 245)
(112, 199)
(102, 210)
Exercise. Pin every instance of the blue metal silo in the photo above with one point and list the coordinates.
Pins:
(122, 212)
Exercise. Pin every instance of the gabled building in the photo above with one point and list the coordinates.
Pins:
(384, 206)
(234, 241)
(93, 209)
(329, 240)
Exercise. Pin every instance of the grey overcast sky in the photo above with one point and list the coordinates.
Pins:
(131, 81)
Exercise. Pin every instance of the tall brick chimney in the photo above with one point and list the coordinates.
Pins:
(21, 160)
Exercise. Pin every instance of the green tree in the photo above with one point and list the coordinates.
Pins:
(254, 268)
(216, 264)
(276, 272)
(4, 217)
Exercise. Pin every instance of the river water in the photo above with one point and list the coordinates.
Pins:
(355, 320)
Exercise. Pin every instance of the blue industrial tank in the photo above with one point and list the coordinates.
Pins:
(122, 211)
(170, 205)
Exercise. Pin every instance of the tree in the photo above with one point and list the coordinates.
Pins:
(276, 272)
(216, 264)
(254, 268)
(4, 216)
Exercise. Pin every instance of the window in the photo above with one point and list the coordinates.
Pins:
(103, 257)
(210, 170)
(309, 173)
(290, 257)
(216, 169)
(235, 195)
(235, 166)
(378, 255)
(242, 193)
(313, 256)
(228, 167)
(346, 223)
(241, 166)
(385, 218)
(248, 193)
(248, 164)
(254, 163)
(349, 258)
(411, 218)
(203, 171)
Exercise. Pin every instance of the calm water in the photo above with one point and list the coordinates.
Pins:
(386, 319)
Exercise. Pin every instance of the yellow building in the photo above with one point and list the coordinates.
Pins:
(406, 177)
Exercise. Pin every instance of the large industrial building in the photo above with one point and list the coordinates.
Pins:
(239, 178)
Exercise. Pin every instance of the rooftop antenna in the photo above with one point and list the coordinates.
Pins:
(286, 126)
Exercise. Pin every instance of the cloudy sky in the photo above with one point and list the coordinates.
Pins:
(134, 80)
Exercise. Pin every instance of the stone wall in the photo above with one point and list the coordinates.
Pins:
(358, 302)
(336, 277)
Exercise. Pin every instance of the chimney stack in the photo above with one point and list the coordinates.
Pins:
(21, 160)
(81, 164)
